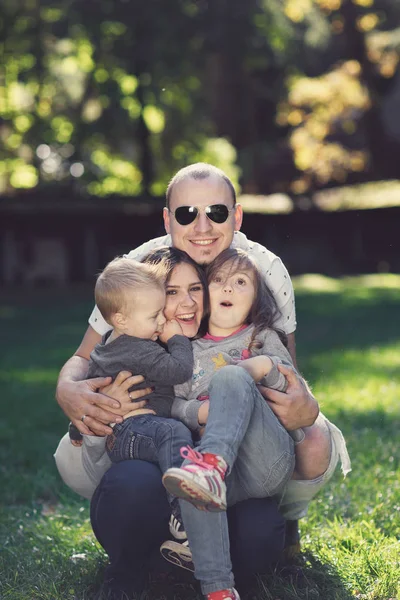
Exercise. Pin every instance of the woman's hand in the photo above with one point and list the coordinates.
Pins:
(296, 407)
(119, 390)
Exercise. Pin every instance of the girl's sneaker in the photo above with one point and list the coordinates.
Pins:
(230, 594)
(201, 481)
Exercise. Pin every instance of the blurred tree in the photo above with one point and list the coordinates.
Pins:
(112, 96)
(336, 116)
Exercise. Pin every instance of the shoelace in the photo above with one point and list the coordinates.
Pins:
(195, 457)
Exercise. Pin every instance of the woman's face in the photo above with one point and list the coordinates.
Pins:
(184, 299)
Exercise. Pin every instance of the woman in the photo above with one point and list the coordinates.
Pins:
(129, 509)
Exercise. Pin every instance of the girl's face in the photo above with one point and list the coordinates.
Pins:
(231, 297)
(185, 299)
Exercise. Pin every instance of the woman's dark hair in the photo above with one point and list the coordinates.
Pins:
(264, 311)
(171, 257)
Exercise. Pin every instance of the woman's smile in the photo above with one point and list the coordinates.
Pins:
(184, 299)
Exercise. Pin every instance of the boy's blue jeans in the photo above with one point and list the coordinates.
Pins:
(147, 437)
(242, 429)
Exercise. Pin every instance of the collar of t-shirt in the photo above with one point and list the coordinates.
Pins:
(218, 338)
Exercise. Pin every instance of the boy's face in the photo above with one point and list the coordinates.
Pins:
(203, 239)
(143, 314)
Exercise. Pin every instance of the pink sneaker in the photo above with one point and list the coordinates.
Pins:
(201, 482)
(230, 594)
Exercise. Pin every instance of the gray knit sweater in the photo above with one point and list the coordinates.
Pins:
(210, 355)
(159, 367)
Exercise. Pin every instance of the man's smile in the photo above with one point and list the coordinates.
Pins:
(203, 242)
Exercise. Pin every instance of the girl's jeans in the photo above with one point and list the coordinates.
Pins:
(259, 452)
(130, 514)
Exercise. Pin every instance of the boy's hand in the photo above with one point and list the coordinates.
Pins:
(257, 366)
(171, 328)
(202, 415)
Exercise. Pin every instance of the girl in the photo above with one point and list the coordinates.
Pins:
(243, 453)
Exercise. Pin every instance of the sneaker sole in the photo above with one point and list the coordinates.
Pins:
(184, 487)
(178, 555)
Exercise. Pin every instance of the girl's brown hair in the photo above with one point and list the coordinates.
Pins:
(264, 311)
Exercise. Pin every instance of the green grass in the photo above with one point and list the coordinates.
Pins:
(349, 350)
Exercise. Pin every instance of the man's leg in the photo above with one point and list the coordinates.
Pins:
(129, 515)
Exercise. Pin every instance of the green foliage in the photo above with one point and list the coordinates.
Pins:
(348, 347)
(155, 84)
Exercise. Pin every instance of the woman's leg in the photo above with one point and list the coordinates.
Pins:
(129, 515)
(257, 536)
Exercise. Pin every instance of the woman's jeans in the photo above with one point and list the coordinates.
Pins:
(130, 514)
(242, 429)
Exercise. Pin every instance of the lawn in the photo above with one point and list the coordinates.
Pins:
(348, 349)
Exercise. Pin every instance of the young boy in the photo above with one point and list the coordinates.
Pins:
(131, 297)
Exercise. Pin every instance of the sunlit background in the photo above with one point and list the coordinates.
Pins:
(102, 101)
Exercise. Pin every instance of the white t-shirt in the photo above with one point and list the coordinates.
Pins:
(276, 275)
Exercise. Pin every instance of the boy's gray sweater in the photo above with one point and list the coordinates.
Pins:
(159, 367)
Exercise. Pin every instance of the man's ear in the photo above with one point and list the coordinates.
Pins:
(166, 220)
(238, 217)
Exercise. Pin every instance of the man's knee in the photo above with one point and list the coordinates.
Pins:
(313, 454)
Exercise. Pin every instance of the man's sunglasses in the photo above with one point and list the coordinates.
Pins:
(218, 213)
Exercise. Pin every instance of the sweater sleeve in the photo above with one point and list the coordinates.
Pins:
(276, 351)
(275, 379)
(186, 411)
(168, 368)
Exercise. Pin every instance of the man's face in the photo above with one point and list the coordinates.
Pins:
(202, 239)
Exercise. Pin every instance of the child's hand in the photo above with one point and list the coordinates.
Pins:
(171, 328)
(77, 443)
(257, 366)
(202, 415)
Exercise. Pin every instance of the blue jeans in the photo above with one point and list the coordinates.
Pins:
(259, 452)
(147, 437)
(129, 514)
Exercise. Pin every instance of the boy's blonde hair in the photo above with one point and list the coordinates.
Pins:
(123, 275)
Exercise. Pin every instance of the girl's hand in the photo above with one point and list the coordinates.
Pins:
(202, 415)
(119, 390)
(171, 328)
